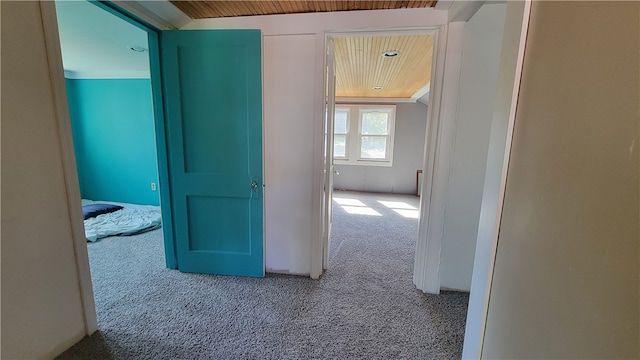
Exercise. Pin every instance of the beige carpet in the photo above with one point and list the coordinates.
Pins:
(364, 307)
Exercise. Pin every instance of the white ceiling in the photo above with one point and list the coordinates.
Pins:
(96, 44)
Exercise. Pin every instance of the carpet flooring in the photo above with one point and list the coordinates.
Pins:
(364, 307)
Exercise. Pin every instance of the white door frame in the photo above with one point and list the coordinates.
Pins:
(330, 106)
(438, 155)
(511, 60)
(437, 152)
(72, 183)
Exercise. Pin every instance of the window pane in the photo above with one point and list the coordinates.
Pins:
(340, 123)
(375, 123)
(340, 146)
(373, 147)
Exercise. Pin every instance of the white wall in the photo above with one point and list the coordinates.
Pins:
(287, 136)
(293, 117)
(408, 156)
(479, 75)
(41, 304)
(566, 282)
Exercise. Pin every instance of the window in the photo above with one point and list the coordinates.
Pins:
(374, 134)
(341, 134)
(367, 141)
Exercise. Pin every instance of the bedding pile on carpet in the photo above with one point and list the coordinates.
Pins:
(109, 219)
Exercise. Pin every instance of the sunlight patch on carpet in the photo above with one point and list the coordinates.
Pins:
(402, 208)
(361, 210)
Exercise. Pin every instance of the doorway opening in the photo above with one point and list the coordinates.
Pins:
(110, 63)
(378, 90)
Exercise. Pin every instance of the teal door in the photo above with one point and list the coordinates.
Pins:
(213, 99)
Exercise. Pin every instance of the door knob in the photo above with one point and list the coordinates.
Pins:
(255, 189)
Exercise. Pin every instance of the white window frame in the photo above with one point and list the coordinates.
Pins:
(354, 137)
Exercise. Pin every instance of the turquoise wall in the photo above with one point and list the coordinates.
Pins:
(113, 134)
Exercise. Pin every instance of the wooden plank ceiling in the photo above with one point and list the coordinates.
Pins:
(229, 8)
(361, 66)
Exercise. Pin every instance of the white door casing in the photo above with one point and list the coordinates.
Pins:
(511, 60)
(443, 100)
(437, 152)
(329, 168)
